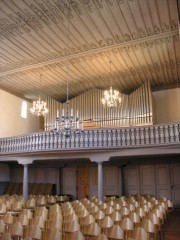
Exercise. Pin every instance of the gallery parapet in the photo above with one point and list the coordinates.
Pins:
(94, 138)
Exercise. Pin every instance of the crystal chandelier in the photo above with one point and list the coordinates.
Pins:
(39, 107)
(68, 124)
(111, 97)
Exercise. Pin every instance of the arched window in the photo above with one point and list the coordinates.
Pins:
(24, 109)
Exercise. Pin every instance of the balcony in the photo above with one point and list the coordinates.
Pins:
(104, 139)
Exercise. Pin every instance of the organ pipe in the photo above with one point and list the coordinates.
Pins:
(136, 109)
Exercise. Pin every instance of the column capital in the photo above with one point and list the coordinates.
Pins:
(25, 161)
(100, 158)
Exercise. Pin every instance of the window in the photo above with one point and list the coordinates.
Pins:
(24, 109)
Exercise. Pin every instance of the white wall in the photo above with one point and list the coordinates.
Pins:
(11, 121)
(167, 104)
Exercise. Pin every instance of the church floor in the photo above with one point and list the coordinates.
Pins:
(173, 228)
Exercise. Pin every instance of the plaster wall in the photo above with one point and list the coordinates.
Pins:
(11, 122)
(167, 104)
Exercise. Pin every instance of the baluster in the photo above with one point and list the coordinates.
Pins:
(119, 131)
(47, 142)
(156, 129)
(166, 131)
(102, 138)
(123, 138)
(64, 141)
(20, 144)
(114, 139)
(83, 139)
(142, 135)
(80, 140)
(58, 141)
(70, 140)
(42, 143)
(92, 138)
(74, 137)
(161, 134)
(30, 142)
(85, 136)
(17, 144)
(127, 134)
(132, 136)
(95, 138)
(55, 140)
(1, 145)
(137, 137)
(152, 137)
(33, 141)
(7, 147)
(26, 142)
(176, 132)
(3, 149)
(171, 133)
(39, 141)
(89, 138)
(36, 141)
(11, 144)
(146, 135)
(8, 143)
(15, 147)
(108, 138)
(51, 140)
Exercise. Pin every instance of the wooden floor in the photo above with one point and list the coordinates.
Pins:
(173, 228)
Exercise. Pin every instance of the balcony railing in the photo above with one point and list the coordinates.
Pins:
(94, 138)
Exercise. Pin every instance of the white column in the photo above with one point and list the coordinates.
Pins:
(25, 182)
(25, 162)
(100, 182)
(100, 158)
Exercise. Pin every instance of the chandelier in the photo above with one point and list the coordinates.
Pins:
(39, 107)
(111, 97)
(69, 123)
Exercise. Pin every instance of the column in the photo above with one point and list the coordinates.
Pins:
(99, 159)
(100, 182)
(25, 162)
(25, 182)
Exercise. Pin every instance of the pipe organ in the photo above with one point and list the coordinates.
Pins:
(136, 109)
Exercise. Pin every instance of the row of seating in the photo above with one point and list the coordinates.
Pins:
(34, 188)
(131, 217)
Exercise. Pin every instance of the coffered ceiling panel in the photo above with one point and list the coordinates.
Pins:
(76, 40)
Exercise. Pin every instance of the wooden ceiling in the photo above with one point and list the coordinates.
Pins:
(39, 37)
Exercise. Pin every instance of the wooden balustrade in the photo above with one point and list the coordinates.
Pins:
(94, 138)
